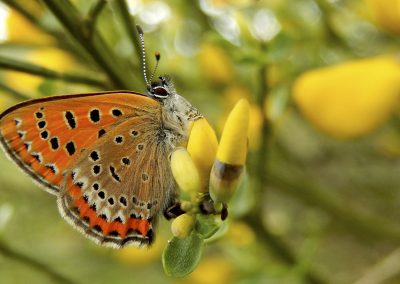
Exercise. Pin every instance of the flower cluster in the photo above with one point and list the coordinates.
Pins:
(208, 173)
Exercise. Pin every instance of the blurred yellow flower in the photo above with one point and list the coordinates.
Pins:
(20, 30)
(211, 270)
(51, 58)
(215, 64)
(386, 13)
(141, 256)
(349, 99)
(240, 234)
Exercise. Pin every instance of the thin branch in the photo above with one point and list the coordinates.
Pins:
(94, 43)
(366, 225)
(279, 248)
(94, 13)
(60, 37)
(259, 169)
(27, 260)
(20, 9)
(26, 67)
(16, 94)
(95, 10)
(130, 26)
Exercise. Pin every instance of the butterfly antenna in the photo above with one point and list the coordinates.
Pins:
(158, 56)
(141, 36)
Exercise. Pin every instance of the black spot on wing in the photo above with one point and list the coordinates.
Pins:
(101, 132)
(41, 124)
(116, 112)
(52, 168)
(114, 174)
(94, 156)
(54, 143)
(69, 116)
(44, 134)
(70, 147)
(94, 115)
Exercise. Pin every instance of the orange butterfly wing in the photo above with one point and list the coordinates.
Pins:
(45, 136)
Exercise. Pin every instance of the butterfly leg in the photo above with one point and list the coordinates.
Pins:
(173, 211)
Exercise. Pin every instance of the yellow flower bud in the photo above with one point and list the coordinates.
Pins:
(232, 149)
(182, 225)
(184, 171)
(228, 167)
(202, 146)
(349, 99)
(224, 180)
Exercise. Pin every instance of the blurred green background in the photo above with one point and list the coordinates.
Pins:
(323, 187)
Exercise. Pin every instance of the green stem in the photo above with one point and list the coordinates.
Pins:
(279, 248)
(259, 169)
(130, 26)
(92, 42)
(26, 67)
(361, 223)
(8, 252)
(331, 33)
(20, 9)
(95, 11)
(62, 40)
(16, 94)
(93, 15)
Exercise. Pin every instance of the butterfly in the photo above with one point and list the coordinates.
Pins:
(104, 155)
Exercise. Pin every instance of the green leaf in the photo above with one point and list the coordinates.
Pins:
(219, 234)
(206, 225)
(181, 256)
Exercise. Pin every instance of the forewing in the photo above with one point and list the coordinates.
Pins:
(115, 192)
(46, 136)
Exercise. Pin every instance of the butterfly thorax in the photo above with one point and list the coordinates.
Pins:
(176, 115)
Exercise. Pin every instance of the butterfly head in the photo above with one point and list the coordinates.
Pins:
(177, 110)
(177, 106)
(161, 90)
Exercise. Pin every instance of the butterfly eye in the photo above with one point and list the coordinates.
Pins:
(160, 92)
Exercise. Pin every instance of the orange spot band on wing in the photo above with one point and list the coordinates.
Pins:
(138, 225)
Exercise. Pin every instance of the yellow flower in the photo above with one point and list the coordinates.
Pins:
(386, 13)
(349, 99)
(228, 167)
(184, 171)
(202, 146)
(231, 96)
(233, 143)
(215, 63)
